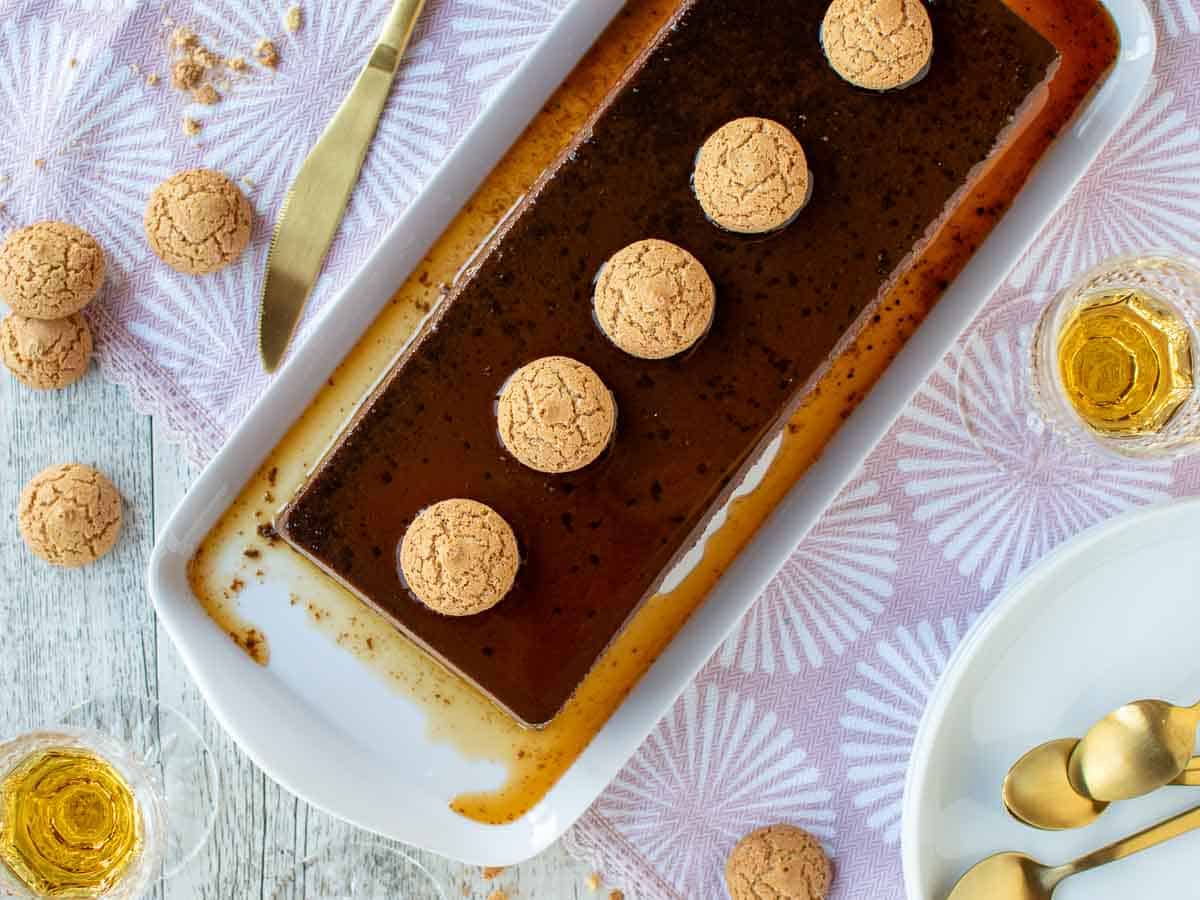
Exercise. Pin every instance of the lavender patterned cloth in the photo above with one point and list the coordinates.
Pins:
(808, 712)
(86, 138)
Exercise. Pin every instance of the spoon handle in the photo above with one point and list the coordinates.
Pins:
(1190, 777)
(1143, 840)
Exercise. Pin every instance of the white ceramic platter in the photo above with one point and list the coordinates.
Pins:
(1109, 617)
(345, 743)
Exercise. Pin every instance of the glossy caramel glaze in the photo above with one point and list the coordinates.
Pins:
(595, 542)
(236, 549)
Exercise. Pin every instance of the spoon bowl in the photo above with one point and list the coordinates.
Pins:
(1134, 750)
(1005, 876)
(1038, 792)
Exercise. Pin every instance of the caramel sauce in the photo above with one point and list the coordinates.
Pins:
(1085, 39)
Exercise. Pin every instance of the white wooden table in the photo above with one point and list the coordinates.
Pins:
(67, 635)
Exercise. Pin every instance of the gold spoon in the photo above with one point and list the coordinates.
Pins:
(1038, 792)
(1014, 876)
(1134, 750)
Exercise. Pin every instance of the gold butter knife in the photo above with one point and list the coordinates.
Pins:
(316, 201)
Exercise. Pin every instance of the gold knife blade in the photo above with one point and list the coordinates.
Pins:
(317, 198)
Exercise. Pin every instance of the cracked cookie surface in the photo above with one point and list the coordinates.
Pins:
(877, 44)
(46, 354)
(69, 515)
(751, 176)
(459, 557)
(779, 862)
(198, 221)
(49, 270)
(654, 299)
(555, 415)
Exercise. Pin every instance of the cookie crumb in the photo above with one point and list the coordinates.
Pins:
(293, 19)
(498, 895)
(460, 558)
(266, 53)
(237, 64)
(186, 74)
(593, 882)
(183, 38)
(191, 127)
(616, 895)
(556, 415)
(491, 872)
(72, 63)
(152, 79)
(39, 163)
(206, 94)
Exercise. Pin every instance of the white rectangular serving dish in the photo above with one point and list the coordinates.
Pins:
(346, 743)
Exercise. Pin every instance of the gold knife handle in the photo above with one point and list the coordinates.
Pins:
(398, 28)
(317, 198)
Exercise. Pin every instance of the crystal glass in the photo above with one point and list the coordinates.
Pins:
(359, 870)
(146, 866)
(166, 764)
(1170, 282)
(184, 767)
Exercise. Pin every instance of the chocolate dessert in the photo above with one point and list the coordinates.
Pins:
(596, 542)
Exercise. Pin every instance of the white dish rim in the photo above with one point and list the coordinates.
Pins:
(1008, 604)
(275, 742)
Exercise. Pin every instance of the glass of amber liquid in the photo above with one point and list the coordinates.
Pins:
(117, 795)
(1116, 354)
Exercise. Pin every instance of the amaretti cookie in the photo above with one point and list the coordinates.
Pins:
(46, 353)
(69, 515)
(198, 221)
(751, 176)
(50, 270)
(780, 861)
(877, 44)
(654, 299)
(459, 557)
(555, 415)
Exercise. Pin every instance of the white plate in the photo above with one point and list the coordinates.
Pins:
(1111, 616)
(339, 741)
